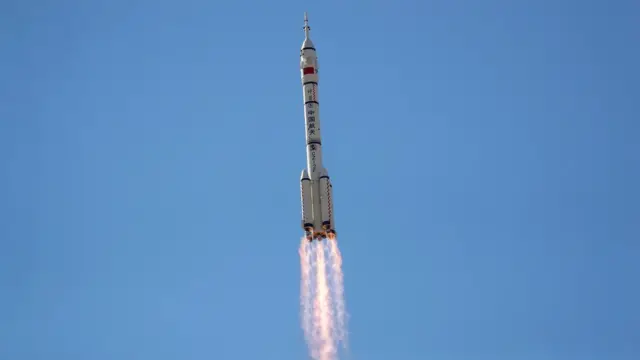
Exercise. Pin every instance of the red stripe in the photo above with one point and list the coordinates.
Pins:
(308, 70)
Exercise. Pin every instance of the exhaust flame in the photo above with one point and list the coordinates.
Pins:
(322, 306)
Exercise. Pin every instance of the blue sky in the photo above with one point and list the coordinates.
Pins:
(484, 157)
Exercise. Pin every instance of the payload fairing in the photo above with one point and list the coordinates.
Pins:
(315, 185)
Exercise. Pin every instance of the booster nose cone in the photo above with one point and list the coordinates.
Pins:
(304, 175)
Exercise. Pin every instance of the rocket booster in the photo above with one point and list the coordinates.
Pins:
(315, 184)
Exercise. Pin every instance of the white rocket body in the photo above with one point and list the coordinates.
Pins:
(315, 184)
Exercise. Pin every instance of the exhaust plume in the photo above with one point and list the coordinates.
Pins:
(322, 305)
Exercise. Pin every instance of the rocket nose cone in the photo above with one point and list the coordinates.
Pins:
(307, 41)
(304, 175)
(307, 44)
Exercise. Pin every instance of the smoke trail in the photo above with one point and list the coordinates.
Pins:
(306, 296)
(323, 303)
(337, 280)
(322, 306)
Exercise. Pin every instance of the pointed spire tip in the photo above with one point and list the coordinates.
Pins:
(306, 25)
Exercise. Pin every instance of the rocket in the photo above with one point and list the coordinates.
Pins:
(315, 184)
